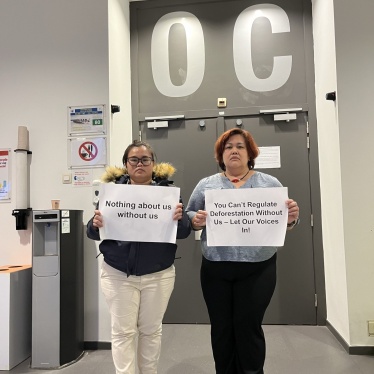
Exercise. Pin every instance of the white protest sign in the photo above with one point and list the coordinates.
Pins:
(247, 217)
(138, 213)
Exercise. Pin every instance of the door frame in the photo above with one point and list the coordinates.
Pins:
(309, 107)
(315, 199)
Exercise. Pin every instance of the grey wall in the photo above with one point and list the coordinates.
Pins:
(343, 37)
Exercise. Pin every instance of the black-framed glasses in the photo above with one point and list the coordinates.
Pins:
(146, 161)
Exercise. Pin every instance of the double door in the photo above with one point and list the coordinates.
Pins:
(189, 146)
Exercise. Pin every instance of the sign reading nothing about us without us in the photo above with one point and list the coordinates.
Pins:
(247, 217)
(138, 213)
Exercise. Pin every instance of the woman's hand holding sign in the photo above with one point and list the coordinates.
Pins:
(178, 214)
(97, 220)
(199, 221)
(293, 214)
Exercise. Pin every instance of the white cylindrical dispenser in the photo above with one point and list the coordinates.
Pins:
(22, 179)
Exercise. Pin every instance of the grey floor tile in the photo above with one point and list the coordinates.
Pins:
(186, 350)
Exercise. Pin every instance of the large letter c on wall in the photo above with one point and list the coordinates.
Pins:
(195, 54)
(242, 48)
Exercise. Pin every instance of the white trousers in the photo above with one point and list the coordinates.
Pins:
(137, 305)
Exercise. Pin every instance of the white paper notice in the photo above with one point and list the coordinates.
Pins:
(269, 158)
(138, 213)
(247, 217)
(65, 225)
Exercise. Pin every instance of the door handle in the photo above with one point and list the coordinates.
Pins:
(161, 121)
(287, 114)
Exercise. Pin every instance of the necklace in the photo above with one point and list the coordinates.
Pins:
(236, 180)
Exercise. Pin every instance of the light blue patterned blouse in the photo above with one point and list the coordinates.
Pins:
(197, 202)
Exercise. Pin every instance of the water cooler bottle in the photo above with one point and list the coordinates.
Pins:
(57, 288)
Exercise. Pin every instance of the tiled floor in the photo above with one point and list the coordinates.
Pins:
(186, 350)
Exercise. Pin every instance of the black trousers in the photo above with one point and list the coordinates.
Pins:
(237, 295)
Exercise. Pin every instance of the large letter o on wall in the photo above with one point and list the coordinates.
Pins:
(195, 54)
(242, 48)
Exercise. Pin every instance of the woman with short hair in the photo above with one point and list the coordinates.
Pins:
(237, 281)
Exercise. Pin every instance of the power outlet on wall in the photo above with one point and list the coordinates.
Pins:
(66, 178)
(371, 328)
(221, 102)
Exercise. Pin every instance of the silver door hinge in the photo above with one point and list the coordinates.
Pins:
(311, 220)
(315, 300)
(140, 135)
(307, 135)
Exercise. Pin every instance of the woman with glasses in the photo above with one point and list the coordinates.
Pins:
(137, 278)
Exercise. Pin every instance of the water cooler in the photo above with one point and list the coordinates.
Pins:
(57, 288)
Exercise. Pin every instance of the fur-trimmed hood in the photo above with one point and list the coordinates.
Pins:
(161, 171)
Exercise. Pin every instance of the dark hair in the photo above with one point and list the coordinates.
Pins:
(137, 143)
(250, 144)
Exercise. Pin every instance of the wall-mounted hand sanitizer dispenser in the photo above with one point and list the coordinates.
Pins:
(57, 288)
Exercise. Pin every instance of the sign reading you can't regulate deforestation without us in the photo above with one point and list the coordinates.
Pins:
(247, 217)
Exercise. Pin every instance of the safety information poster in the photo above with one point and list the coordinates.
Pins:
(82, 178)
(86, 120)
(4, 175)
